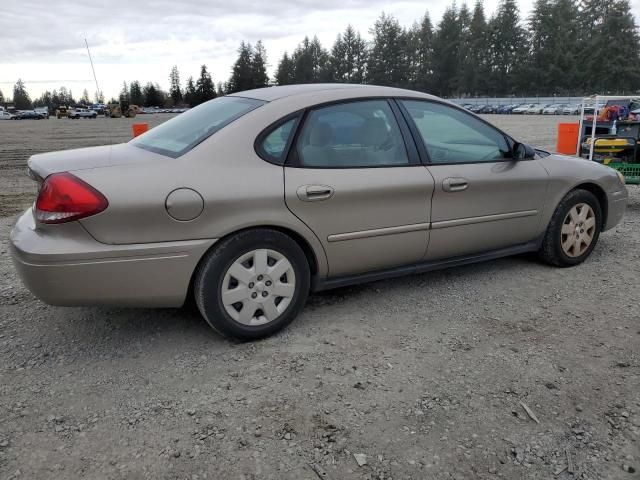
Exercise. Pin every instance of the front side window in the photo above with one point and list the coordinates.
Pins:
(453, 136)
(354, 134)
(180, 134)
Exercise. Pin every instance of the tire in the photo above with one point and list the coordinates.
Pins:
(582, 228)
(240, 255)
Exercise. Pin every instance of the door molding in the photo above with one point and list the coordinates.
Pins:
(483, 218)
(378, 232)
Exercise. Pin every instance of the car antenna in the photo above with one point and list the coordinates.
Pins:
(98, 91)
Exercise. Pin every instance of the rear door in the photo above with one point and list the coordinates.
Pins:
(354, 177)
(483, 199)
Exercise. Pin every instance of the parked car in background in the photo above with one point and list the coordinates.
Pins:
(507, 109)
(522, 108)
(553, 109)
(4, 115)
(535, 109)
(44, 111)
(28, 115)
(234, 203)
(82, 113)
(571, 110)
(476, 108)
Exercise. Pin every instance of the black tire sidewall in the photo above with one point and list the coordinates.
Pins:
(211, 272)
(555, 231)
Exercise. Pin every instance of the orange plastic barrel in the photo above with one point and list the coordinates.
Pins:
(567, 138)
(139, 128)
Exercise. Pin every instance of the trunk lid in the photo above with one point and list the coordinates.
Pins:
(44, 164)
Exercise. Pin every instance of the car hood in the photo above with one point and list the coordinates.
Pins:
(44, 164)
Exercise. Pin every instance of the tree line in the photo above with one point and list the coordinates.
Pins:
(564, 47)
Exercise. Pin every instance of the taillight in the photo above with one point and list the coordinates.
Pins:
(63, 197)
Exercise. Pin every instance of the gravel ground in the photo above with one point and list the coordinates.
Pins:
(422, 377)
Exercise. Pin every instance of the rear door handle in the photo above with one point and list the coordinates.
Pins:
(455, 184)
(314, 193)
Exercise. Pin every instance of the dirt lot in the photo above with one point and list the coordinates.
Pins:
(426, 376)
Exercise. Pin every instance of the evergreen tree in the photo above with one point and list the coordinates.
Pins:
(348, 58)
(136, 96)
(124, 93)
(551, 63)
(84, 100)
(174, 86)
(242, 72)
(190, 94)
(21, 98)
(446, 53)
(152, 95)
(388, 63)
(420, 54)
(220, 90)
(205, 89)
(508, 49)
(259, 77)
(310, 62)
(2, 100)
(99, 97)
(475, 67)
(464, 50)
(285, 73)
(614, 48)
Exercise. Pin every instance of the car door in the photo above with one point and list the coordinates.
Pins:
(354, 177)
(483, 198)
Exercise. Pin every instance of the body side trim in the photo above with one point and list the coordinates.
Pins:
(378, 232)
(485, 218)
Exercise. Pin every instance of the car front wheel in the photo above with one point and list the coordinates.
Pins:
(252, 284)
(573, 230)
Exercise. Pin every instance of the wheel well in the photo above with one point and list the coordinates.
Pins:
(600, 194)
(296, 237)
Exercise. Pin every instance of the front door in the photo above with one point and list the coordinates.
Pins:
(483, 199)
(354, 178)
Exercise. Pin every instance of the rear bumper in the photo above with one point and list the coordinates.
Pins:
(617, 205)
(64, 265)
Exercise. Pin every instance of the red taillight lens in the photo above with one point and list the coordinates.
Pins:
(64, 197)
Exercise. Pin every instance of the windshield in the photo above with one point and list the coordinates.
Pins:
(180, 134)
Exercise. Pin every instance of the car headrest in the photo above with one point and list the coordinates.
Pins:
(321, 134)
(374, 132)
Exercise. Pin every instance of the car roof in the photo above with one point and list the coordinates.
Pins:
(269, 94)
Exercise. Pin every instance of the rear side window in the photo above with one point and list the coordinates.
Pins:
(351, 135)
(273, 146)
(453, 136)
(180, 134)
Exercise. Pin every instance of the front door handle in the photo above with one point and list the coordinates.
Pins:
(314, 193)
(455, 184)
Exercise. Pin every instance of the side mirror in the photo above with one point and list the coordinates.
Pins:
(522, 151)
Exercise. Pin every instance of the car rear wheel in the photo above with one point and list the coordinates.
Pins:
(252, 284)
(573, 231)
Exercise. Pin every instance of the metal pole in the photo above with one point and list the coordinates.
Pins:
(580, 128)
(593, 128)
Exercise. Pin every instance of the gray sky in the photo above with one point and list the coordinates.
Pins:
(42, 41)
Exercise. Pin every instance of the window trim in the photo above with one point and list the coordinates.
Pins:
(422, 148)
(293, 160)
(262, 136)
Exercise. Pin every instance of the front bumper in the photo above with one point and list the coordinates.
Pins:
(617, 205)
(65, 265)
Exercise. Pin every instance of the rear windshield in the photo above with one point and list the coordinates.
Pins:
(180, 134)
